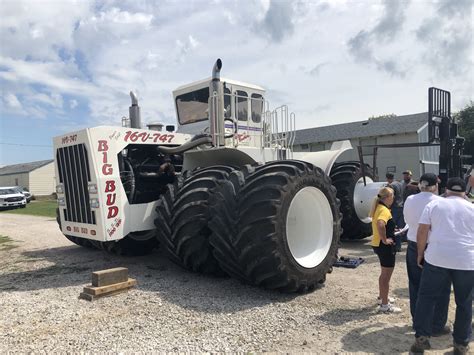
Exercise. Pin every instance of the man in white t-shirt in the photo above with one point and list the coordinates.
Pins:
(412, 210)
(449, 257)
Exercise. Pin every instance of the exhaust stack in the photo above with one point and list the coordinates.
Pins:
(216, 106)
(134, 112)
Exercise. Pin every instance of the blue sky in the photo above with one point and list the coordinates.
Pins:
(66, 65)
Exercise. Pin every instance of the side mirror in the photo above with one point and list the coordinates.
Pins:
(170, 128)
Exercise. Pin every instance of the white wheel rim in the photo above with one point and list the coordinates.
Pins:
(364, 196)
(309, 227)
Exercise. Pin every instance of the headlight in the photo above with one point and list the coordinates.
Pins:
(59, 189)
(94, 202)
(92, 188)
(61, 201)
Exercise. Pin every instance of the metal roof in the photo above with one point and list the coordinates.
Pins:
(208, 80)
(360, 129)
(24, 167)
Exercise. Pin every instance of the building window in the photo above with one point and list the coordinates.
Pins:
(318, 147)
(304, 146)
(367, 141)
(16, 181)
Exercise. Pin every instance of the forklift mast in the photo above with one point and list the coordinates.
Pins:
(444, 131)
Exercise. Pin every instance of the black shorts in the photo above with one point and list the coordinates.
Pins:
(386, 255)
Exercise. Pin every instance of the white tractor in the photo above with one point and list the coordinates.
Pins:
(225, 194)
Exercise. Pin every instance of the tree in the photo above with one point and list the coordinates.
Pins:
(390, 115)
(465, 120)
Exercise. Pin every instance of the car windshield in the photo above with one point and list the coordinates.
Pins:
(7, 191)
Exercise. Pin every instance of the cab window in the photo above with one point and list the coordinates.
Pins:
(242, 105)
(193, 106)
(257, 107)
(227, 101)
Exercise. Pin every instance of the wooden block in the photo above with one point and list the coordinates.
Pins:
(96, 291)
(88, 297)
(109, 276)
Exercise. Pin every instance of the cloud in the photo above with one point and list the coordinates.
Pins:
(447, 38)
(53, 100)
(12, 101)
(58, 76)
(278, 20)
(73, 104)
(365, 45)
(392, 20)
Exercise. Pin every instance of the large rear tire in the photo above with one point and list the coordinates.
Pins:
(280, 228)
(183, 216)
(345, 176)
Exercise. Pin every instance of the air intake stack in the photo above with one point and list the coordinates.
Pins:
(134, 112)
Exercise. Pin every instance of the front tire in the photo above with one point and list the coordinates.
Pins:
(282, 229)
(76, 240)
(133, 244)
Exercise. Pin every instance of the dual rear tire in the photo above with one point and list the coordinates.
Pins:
(276, 226)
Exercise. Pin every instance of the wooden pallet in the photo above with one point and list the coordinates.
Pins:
(108, 283)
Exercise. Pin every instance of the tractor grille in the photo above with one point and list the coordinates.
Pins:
(14, 199)
(74, 174)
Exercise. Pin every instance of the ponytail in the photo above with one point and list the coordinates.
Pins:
(384, 192)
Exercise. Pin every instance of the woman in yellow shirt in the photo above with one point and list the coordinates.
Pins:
(383, 228)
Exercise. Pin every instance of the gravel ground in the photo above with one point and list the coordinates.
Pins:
(172, 310)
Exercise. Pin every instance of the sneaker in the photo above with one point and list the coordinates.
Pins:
(390, 300)
(421, 344)
(459, 349)
(445, 331)
(389, 308)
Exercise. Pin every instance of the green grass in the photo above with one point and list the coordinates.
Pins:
(6, 243)
(36, 208)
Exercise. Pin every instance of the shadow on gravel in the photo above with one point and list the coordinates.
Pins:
(372, 339)
(72, 266)
(401, 292)
(341, 316)
(363, 249)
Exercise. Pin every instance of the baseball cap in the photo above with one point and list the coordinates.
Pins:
(456, 184)
(428, 179)
(407, 172)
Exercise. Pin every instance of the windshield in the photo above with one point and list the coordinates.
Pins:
(193, 106)
(7, 191)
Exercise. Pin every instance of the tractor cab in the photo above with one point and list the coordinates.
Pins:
(239, 107)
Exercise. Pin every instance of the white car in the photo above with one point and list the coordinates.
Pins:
(10, 197)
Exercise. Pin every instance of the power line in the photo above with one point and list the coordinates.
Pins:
(27, 145)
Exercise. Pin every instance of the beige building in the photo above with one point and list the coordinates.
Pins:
(387, 130)
(38, 177)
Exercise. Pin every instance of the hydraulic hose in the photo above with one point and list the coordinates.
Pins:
(132, 181)
(186, 146)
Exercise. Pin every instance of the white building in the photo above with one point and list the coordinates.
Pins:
(387, 130)
(38, 177)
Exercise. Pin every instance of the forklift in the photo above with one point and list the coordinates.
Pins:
(442, 132)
